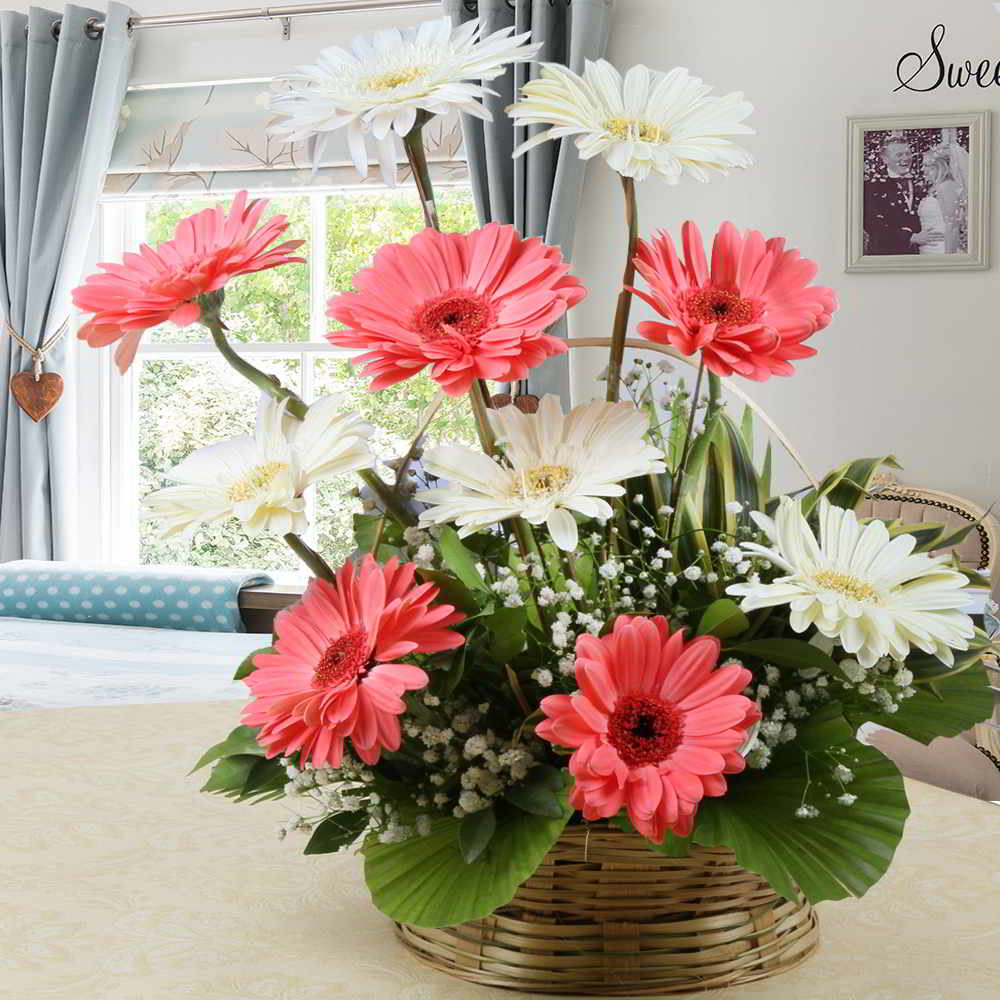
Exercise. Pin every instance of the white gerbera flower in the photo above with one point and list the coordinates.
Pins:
(381, 85)
(648, 122)
(556, 464)
(859, 586)
(260, 478)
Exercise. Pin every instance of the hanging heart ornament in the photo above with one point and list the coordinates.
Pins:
(37, 396)
(37, 391)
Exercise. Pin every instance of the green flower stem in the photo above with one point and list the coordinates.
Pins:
(480, 410)
(387, 496)
(624, 306)
(525, 536)
(675, 493)
(267, 383)
(714, 393)
(313, 560)
(413, 143)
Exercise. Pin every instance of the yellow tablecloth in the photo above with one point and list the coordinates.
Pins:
(118, 881)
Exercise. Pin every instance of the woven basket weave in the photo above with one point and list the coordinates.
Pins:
(604, 915)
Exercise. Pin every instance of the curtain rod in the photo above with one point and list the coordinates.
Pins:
(283, 13)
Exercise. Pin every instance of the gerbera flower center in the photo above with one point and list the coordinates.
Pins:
(395, 77)
(255, 481)
(846, 585)
(714, 305)
(541, 481)
(345, 659)
(635, 129)
(459, 313)
(645, 729)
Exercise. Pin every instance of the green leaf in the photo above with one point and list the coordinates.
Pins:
(848, 484)
(724, 619)
(242, 740)
(927, 668)
(450, 590)
(459, 559)
(336, 832)
(267, 780)
(765, 472)
(746, 429)
(786, 652)
(541, 793)
(230, 774)
(365, 529)
(843, 851)
(475, 833)
(692, 543)
(585, 572)
(735, 459)
(446, 681)
(506, 627)
(426, 881)
(962, 700)
(248, 666)
(679, 414)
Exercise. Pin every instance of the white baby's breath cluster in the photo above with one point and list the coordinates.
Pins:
(468, 766)
(320, 792)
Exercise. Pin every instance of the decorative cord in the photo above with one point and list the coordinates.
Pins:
(984, 538)
(38, 353)
(989, 756)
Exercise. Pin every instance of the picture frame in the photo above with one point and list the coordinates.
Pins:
(918, 192)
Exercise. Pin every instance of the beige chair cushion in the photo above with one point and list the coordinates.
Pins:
(953, 763)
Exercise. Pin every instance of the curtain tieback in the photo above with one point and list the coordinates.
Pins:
(38, 353)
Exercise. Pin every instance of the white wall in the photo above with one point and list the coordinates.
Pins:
(911, 362)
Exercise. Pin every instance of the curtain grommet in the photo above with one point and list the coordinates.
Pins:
(93, 29)
(56, 28)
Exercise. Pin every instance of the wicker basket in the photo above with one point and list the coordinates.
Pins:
(604, 915)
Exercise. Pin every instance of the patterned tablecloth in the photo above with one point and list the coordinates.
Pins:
(118, 881)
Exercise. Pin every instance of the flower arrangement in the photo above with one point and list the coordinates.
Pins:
(601, 614)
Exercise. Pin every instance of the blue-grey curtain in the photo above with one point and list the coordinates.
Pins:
(59, 107)
(539, 192)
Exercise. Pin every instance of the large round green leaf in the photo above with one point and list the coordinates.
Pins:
(426, 881)
(841, 852)
(946, 706)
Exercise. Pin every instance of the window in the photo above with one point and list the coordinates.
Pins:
(180, 394)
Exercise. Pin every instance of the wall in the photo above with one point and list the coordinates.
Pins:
(910, 364)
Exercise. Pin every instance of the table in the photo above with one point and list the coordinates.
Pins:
(121, 882)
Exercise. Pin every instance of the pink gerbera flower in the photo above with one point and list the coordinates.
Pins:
(153, 286)
(335, 673)
(656, 725)
(469, 305)
(749, 313)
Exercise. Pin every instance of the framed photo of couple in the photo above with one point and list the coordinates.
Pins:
(918, 192)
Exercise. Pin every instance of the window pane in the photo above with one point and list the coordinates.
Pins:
(359, 222)
(185, 404)
(395, 413)
(271, 306)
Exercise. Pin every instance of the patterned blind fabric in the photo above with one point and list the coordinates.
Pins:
(214, 138)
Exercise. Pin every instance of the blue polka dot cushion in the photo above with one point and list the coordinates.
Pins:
(177, 597)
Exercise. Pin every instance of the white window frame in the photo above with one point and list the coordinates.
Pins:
(121, 227)
(108, 449)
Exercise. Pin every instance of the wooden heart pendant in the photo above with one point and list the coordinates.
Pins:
(37, 398)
